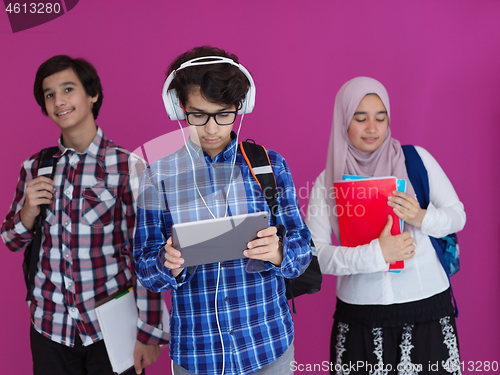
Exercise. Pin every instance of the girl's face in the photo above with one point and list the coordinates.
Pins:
(369, 124)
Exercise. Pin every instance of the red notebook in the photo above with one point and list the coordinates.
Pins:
(362, 211)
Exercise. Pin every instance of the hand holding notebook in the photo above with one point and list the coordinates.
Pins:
(363, 211)
(395, 247)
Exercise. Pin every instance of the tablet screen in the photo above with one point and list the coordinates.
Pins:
(217, 240)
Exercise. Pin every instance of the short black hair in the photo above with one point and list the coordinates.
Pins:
(218, 83)
(85, 71)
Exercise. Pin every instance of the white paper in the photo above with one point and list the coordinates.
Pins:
(118, 321)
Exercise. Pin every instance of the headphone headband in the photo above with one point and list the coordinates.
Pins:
(171, 99)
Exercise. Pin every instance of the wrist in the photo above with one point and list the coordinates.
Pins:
(28, 222)
(176, 272)
(422, 213)
(278, 259)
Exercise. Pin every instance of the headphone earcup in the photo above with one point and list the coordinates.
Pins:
(248, 103)
(173, 105)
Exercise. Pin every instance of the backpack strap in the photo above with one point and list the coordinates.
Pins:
(46, 166)
(417, 173)
(47, 162)
(260, 166)
(258, 160)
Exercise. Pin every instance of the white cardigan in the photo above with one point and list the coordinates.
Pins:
(362, 271)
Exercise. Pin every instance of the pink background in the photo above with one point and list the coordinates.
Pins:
(439, 60)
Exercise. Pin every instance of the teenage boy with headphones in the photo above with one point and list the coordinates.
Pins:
(87, 227)
(230, 317)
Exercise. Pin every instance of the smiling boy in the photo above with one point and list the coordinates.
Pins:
(88, 222)
(230, 317)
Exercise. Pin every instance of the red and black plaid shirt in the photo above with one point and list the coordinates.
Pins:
(86, 244)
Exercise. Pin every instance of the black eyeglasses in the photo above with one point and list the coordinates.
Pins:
(201, 118)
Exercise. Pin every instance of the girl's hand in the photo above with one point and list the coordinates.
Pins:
(394, 248)
(407, 208)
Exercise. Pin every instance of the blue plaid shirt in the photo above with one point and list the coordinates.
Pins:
(253, 312)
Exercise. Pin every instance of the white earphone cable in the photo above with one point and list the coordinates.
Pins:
(218, 324)
(167, 83)
(233, 163)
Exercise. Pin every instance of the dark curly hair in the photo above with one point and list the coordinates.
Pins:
(85, 71)
(218, 83)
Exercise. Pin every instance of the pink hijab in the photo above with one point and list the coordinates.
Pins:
(344, 158)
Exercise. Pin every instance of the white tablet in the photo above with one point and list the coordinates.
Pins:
(217, 240)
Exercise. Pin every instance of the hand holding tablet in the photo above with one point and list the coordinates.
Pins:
(221, 239)
(173, 259)
(266, 247)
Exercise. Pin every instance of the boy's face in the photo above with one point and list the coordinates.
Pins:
(212, 138)
(67, 103)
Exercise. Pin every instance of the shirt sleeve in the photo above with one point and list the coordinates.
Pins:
(150, 304)
(338, 260)
(14, 233)
(445, 213)
(292, 230)
(153, 228)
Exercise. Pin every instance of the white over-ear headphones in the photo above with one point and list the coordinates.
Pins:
(171, 99)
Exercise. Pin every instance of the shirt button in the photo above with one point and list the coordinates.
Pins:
(67, 255)
(73, 163)
(70, 284)
(231, 332)
(68, 193)
(216, 197)
(73, 310)
(222, 264)
(66, 223)
(226, 299)
(99, 196)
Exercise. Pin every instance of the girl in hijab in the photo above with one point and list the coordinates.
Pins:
(400, 323)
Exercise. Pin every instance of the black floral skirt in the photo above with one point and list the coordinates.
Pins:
(405, 339)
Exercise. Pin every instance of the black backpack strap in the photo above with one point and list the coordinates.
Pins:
(260, 166)
(46, 166)
(47, 162)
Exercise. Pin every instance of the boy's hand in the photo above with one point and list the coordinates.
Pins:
(144, 355)
(39, 191)
(173, 260)
(267, 247)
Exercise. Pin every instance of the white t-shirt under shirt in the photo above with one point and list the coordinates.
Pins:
(362, 271)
